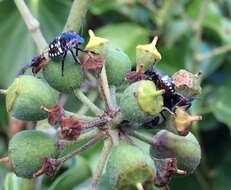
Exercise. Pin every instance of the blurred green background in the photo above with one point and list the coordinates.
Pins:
(193, 34)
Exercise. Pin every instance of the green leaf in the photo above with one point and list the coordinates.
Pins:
(125, 36)
(221, 104)
(208, 66)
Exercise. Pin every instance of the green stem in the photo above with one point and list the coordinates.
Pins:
(92, 96)
(32, 24)
(85, 100)
(80, 116)
(139, 186)
(142, 137)
(101, 162)
(113, 96)
(98, 137)
(104, 87)
(3, 92)
(215, 52)
(77, 14)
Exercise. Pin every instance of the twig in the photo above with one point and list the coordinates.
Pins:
(76, 16)
(139, 186)
(85, 100)
(198, 31)
(215, 52)
(92, 96)
(104, 88)
(32, 24)
(98, 137)
(80, 116)
(3, 92)
(113, 96)
(142, 137)
(101, 163)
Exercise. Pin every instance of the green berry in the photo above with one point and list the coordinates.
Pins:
(141, 101)
(185, 149)
(117, 65)
(25, 97)
(27, 150)
(128, 166)
(72, 75)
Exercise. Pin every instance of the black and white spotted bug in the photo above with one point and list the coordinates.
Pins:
(63, 43)
(172, 99)
(66, 41)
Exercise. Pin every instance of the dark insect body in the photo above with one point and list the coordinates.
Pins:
(63, 43)
(172, 99)
(66, 41)
(36, 63)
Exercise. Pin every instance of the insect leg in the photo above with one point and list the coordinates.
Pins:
(75, 57)
(63, 59)
(23, 69)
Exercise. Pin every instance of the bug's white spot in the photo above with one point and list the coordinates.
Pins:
(52, 46)
(60, 50)
(55, 54)
(59, 43)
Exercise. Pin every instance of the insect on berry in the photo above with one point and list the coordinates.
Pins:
(172, 99)
(66, 41)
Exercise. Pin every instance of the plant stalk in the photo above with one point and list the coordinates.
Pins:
(104, 87)
(77, 14)
(98, 137)
(32, 24)
(85, 100)
(101, 163)
(142, 137)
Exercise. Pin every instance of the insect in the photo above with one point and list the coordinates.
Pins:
(172, 99)
(63, 43)
(59, 47)
(36, 63)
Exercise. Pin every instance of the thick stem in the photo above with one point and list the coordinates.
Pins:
(139, 186)
(142, 137)
(198, 32)
(101, 162)
(92, 96)
(104, 87)
(85, 100)
(80, 116)
(3, 92)
(113, 96)
(32, 24)
(215, 52)
(76, 16)
(98, 137)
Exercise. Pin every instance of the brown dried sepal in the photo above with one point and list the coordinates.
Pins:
(55, 114)
(49, 167)
(183, 120)
(70, 128)
(94, 63)
(187, 82)
(134, 76)
(166, 169)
